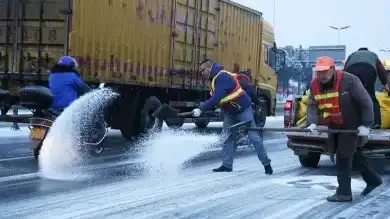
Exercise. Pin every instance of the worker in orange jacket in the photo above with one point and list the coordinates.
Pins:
(338, 100)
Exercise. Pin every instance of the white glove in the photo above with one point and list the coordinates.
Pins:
(218, 110)
(196, 112)
(363, 131)
(312, 127)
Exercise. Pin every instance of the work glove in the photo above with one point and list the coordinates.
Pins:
(312, 128)
(363, 131)
(196, 112)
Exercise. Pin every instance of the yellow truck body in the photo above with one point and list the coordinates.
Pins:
(148, 50)
(155, 43)
(162, 42)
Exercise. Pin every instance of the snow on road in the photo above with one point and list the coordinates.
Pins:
(292, 192)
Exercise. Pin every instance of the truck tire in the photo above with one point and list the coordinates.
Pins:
(147, 121)
(265, 106)
(202, 123)
(260, 114)
(174, 124)
(310, 160)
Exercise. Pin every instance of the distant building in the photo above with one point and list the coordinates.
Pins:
(337, 52)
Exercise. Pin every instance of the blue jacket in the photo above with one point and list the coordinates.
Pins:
(65, 85)
(224, 84)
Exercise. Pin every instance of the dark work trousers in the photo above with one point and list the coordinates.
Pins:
(346, 152)
(367, 75)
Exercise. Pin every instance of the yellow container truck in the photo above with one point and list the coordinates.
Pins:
(149, 51)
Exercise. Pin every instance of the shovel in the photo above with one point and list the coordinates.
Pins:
(245, 126)
(165, 111)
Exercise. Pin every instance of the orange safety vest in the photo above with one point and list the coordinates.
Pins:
(328, 103)
(233, 95)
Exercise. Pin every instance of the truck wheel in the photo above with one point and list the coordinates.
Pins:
(147, 121)
(202, 123)
(174, 124)
(310, 160)
(260, 114)
(265, 106)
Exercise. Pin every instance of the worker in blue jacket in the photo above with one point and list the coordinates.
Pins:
(65, 83)
(236, 105)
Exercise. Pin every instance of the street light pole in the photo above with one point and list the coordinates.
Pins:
(273, 18)
(338, 31)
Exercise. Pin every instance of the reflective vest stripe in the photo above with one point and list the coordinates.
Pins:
(232, 96)
(325, 96)
(237, 92)
(326, 106)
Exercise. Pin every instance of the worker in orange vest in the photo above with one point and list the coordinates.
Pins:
(236, 105)
(338, 100)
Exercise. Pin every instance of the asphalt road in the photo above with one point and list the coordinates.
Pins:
(121, 188)
(19, 177)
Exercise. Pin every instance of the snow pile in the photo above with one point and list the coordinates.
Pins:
(60, 158)
(166, 152)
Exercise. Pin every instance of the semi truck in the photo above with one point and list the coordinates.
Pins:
(309, 147)
(148, 51)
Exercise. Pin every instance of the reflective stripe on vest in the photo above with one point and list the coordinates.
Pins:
(328, 103)
(236, 93)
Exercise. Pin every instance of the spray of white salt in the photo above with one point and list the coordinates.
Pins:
(168, 151)
(60, 157)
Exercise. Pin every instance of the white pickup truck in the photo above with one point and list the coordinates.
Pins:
(309, 147)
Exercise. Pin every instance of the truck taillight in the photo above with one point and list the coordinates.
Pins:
(288, 105)
(287, 113)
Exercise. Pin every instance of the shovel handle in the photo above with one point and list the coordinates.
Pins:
(343, 131)
(185, 114)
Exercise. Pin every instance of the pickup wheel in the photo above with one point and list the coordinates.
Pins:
(310, 160)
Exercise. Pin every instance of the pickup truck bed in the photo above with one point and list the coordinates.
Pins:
(309, 146)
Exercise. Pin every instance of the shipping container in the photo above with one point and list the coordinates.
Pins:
(154, 43)
(32, 35)
(155, 46)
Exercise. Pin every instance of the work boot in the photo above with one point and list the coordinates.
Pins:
(223, 169)
(268, 169)
(370, 187)
(339, 198)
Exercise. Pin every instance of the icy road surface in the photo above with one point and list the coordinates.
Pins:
(196, 192)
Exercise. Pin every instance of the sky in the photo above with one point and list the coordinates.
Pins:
(306, 22)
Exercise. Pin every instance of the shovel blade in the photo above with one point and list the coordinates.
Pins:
(165, 111)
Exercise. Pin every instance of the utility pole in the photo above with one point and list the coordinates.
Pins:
(338, 31)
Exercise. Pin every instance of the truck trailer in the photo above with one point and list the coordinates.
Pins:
(148, 51)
